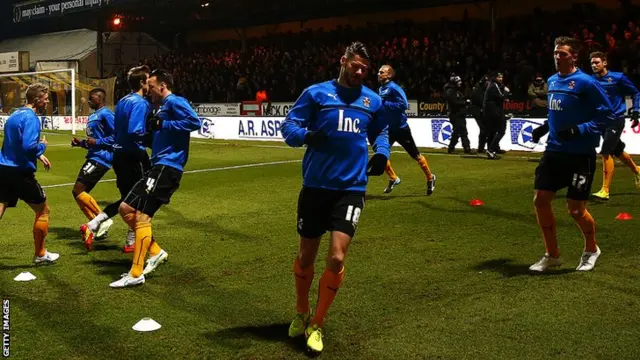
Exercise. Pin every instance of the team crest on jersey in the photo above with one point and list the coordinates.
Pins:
(572, 84)
(522, 132)
(366, 101)
(609, 80)
(441, 131)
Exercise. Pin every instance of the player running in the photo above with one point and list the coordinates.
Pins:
(333, 119)
(130, 158)
(172, 126)
(21, 147)
(579, 110)
(617, 86)
(99, 157)
(393, 112)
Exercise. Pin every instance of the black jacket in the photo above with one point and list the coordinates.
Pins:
(493, 101)
(477, 96)
(455, 100)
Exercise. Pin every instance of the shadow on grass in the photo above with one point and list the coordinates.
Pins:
(239, 336)
(63, 233)
(508, 269)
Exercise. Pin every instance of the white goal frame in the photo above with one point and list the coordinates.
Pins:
(73, 89)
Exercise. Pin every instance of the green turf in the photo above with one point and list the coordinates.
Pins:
(426, 277)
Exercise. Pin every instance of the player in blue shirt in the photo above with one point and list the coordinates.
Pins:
(617, 86)
(393, 111)
(579, 110)
(171, 126)
(99, 157)
(130, 158)
(21, 147)
(334, 119)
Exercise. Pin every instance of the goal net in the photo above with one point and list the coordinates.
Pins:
(68, 107)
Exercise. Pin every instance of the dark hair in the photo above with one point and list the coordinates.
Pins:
(137, 75)
(163, 76)
(598, 54)
(572, 43)
(100, 91)
(357, 48)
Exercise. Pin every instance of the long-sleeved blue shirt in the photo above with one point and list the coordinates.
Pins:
(577, 100)
(130, 123)
(171, 143)
(21, 146)
(394, 105)
(347, 116)
(101, 127)
(616, 85)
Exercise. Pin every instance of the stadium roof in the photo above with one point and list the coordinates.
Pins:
(65, 45)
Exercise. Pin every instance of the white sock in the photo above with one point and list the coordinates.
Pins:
(131, 237)
(95, 223)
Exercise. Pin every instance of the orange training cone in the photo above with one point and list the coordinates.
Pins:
(624, 216)
(476, 202)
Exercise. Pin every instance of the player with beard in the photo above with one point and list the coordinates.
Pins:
(334, 119)
(617, 86)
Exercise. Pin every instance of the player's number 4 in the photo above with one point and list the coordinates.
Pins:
(353, 214)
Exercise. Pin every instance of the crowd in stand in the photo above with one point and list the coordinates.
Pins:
(424, 55)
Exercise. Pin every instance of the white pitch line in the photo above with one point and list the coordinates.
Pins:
(198, 171)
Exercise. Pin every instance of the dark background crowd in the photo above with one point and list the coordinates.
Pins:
(423, 54)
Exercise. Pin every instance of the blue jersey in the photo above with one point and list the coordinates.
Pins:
(100, 127)
(21, 146)
(171, 143)
(130, 123)
(616, 85)
(577, 100)
(348, 116)
(394, 105)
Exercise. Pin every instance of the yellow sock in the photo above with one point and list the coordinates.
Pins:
(422, 161)
(390, 173)
(143, 241)
(154, 249)
(608, 165)
(88, 205)
(40, 231)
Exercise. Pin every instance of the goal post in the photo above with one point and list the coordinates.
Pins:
(68, 107)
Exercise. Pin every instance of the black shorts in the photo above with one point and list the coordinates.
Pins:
(154, 189)
(558, 170)
(321, 210)
(90, 174)
(611, 144)
(129, 167)
(19, 185)
(403, 137)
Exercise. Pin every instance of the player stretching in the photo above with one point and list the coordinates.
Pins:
(172, 126)
(99, 157)
(20, 149)
(130, 158)
(333, 119)
(578, 111)
(394, 107)
(617, 86)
